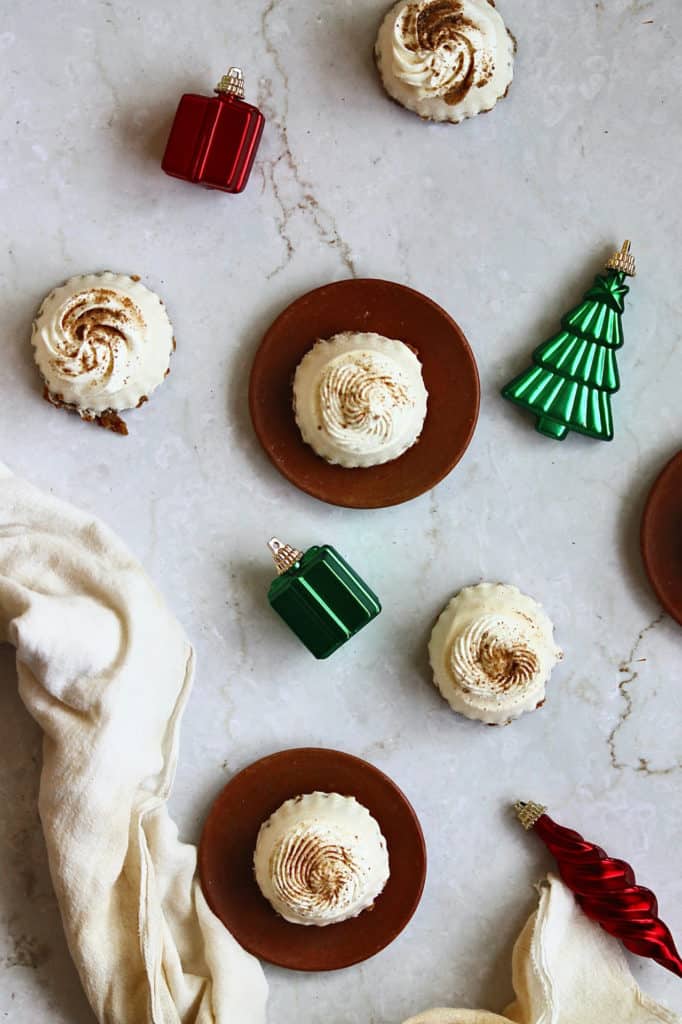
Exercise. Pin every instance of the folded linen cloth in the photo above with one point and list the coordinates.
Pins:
(566, 970)
(105, 670)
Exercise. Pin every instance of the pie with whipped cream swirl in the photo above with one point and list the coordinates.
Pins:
(445, 59)
(321, 859)
(102, 343)
(360, 399)
(492, 652)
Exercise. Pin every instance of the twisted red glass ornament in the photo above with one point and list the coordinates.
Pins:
(606, 890)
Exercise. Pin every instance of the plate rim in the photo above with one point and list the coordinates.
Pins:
(262, 764)
(310, 489)
(672, 466)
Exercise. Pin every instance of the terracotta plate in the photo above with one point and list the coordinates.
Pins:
(229, 839)
(662, 538)
(450, 376)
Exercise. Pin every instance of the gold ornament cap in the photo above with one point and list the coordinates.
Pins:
(623, 261)
(284, 556)
(528, 813)
(232, 83)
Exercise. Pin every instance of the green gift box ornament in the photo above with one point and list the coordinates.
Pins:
(574, 373)
(320, 596)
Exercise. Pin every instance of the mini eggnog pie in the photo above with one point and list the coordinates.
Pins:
(103, 344)
(321, 859)
(445, 59)
(360, 399)
(492, 651)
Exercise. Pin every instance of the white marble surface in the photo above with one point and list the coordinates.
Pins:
(503, 220)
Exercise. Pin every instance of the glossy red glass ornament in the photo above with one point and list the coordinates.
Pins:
(214, 139)
(606, 889)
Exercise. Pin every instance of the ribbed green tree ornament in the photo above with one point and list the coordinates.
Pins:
(574, 374)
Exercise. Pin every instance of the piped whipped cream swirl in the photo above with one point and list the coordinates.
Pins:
(102, 342)
(445, 59)
(492, 651)
(493, 655)
(360, 399)
(321, 859)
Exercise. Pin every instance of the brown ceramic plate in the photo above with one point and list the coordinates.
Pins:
(448, 368)
(229, 839)
(662, 538)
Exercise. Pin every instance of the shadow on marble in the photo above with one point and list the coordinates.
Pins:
(419, 655)
(238, 380)
(18, 315)
(33, 950)
(144, 133)
(567, 292)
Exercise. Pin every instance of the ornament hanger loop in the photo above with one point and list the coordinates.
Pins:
(623, 261)
(528, 813)
(232, 84)
(284, 556)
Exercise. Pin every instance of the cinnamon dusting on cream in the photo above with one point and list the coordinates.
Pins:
(445, 59)
(360, 399)
(492, 651)
(321, 859)
(102, 343)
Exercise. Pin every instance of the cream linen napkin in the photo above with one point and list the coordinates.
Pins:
(105, 670)
(566, 970)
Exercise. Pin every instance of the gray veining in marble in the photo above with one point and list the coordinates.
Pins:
(503, 221)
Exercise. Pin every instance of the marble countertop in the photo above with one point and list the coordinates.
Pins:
(503, 221)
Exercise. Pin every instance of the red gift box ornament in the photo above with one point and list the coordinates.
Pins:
(605, 889)
(214, 139)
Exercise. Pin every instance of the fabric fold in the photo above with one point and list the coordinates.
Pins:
(106, 670)
(565, 970)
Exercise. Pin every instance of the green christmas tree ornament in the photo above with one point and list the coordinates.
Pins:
(574, 374)
(319, 596)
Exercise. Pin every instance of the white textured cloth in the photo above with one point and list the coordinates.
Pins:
(105, 670)
(566, 970)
